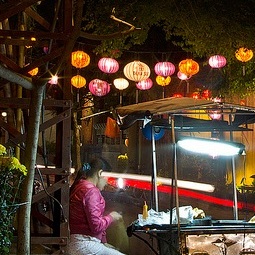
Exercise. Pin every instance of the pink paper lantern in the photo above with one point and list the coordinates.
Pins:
(145, 84)
(217, 61)
(108, 65)
(182, 76)
(99, 87)
(164, 68)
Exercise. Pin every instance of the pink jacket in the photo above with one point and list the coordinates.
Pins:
(87, 207)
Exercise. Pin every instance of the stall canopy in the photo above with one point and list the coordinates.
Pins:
(182, 109)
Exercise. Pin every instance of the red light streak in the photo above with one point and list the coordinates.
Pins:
(183, 192)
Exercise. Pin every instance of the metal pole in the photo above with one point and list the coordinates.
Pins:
(154, 180)
(234, 188)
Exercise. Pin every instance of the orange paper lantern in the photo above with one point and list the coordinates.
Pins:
(189, 67)
(78, 81)
(34, 71)
(80, 59)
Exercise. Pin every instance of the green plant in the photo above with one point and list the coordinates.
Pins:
(12, 173)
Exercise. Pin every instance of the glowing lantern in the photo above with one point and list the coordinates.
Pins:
(189, 67)
(163, 81)
(34, 71)
(78, 81)
(108, 65)
(215, 115)
(136, 71)
(244, 54)
(145, 84)
(121, 83)
(196, 95)
(53, 80)
(164, 68)
(217, 61)
(99, 88)
(177, 95)
(80, 59)
(182, 76)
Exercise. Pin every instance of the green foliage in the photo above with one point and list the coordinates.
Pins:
(11, 176)
(199, 27)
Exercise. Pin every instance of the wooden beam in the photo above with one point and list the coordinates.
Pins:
(51, 189)
(35, 34)
(34, 15)
(23, 103)
(18, 6)
(43, 60)
(9, 63)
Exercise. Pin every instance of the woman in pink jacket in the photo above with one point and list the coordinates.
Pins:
(87, 221)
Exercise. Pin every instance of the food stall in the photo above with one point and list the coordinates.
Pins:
(198, 235)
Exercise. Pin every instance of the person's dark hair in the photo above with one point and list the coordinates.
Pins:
(90, 169)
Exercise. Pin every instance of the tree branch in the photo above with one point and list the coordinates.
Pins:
(110, 36)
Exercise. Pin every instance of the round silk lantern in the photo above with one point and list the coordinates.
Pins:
(217, 61)
(145, 84)
(137, 71)
(99, 87)
(244, 54)
(80, 59)
(164, 68)
(147, 132)
(34, 71)
(189, 67)
(182, 76)
(108, 65)
(121, 83)
(163, 81)
(78, 81)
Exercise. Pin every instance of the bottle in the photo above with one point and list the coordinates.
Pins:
(145, 211)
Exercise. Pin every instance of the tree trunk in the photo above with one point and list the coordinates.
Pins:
(23, 244)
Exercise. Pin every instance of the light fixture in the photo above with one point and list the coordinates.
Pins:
(212, 147)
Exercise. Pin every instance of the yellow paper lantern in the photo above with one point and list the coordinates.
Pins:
(137, 71)
(121, 83)
(163, 81)
(189, 67)
(80, 59)
(78, 81)
(244, 54)
(34, 71)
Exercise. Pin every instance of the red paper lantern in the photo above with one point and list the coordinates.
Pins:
(145, 84)
(78, 81)
(108, 65)
(137, 71)
(80, 59)
(99, 87)
(189, 67)
(217, 61)
(164, 68)
(177, 95)
(121, 83)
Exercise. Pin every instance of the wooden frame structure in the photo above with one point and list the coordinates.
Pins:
(55, 231)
